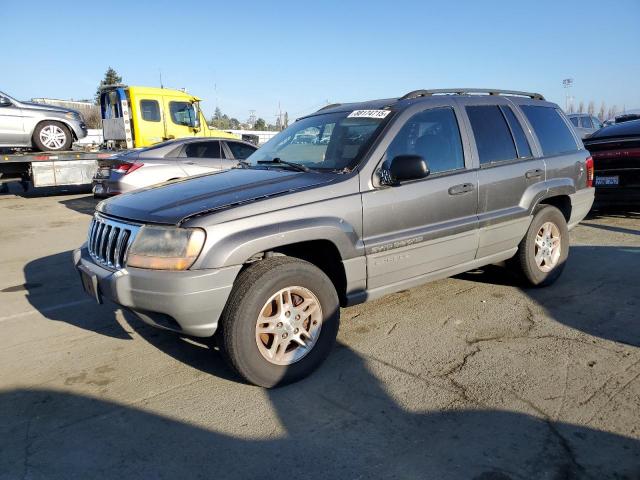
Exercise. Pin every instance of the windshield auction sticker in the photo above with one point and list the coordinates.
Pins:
(369, 114)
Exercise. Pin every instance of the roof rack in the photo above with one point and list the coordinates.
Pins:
(466, 91)
(331, 105)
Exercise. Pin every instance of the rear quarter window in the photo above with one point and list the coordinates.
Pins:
(552, 131)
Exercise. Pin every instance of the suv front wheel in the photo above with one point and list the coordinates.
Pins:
(280, 322)
(543, 251)
(52, 137)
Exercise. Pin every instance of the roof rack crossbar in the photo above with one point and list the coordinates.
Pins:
(465, 91)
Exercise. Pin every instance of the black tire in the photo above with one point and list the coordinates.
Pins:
(65, 145)
(524, 261)
(254, 286)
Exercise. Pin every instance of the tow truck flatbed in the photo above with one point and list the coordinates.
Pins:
(51, 169)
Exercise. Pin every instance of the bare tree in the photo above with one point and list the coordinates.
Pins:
(612, 111)
(602, 111)
(581, 107)
(591, 109)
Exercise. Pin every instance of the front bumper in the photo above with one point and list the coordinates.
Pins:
(189, 302)
(79, 128)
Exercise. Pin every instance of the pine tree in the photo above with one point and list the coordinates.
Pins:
(111, 77)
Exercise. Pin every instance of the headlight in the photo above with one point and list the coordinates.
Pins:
(166, 248)
(73, 116)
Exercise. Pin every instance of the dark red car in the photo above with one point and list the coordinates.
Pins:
(616, 157)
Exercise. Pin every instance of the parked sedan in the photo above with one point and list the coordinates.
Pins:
(616, 157)
(585, 124)
(167, 161)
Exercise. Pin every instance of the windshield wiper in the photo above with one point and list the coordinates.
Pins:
(279, 161)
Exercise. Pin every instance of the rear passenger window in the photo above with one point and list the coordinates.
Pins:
(240, 150)
(552, 132)
(522, 144)
(574, 120)
(203, 150)
(150, 110)
(586, 122)
(492, 134)
(434, 135)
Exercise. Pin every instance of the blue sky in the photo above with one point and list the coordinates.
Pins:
(303, 54)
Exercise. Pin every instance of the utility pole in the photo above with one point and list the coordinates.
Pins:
(567, 83)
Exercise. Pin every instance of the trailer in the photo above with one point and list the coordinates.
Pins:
(50, 169)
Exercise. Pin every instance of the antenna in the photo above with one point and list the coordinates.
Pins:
(160, 70)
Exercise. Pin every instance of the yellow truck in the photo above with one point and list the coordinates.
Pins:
(134, 117)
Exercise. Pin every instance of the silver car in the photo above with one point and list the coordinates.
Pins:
(166, 161)
(43, 127)
(585, 124)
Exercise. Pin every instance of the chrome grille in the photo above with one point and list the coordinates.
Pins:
(109, 241)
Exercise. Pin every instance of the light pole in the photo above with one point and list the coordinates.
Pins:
(567, 83)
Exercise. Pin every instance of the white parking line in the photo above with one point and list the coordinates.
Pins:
(46, 309)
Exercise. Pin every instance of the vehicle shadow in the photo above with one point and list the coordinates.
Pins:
(593, 294)
(27, 190)
(339, 423)
(86, 205)
(54, 289)
(199, 353)
(596, 212)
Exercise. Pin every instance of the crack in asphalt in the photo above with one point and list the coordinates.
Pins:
(576, 470)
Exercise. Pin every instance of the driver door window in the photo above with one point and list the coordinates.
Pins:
(435, 136)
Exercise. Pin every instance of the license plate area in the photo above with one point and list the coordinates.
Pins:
(90, 283)
(608, 181)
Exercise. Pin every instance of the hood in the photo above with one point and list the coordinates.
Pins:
(50, 108)
(173, 202)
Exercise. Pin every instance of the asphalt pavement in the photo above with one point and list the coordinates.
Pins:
(472, 377)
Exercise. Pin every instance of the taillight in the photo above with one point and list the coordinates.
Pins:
(127, 168)
(589, 166)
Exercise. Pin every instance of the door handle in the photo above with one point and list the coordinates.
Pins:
(190, 163)
(535, 173)
(460, 189)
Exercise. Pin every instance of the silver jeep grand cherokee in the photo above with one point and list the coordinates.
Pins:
(350, 203)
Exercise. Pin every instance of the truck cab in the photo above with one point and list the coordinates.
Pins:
(135, 117)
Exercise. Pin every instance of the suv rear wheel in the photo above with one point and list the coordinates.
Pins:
(280, 322)
(52, 137)
(543, 251)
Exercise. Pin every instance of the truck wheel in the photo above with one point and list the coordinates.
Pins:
(52, 137)
(543, 251)
(280, 321)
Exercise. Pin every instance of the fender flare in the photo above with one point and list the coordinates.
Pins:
(551, 188)
(239, 246)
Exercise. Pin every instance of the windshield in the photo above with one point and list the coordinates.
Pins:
(332, 141)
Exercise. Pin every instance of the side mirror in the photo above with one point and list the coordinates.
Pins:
(404, 167)
(5, 102)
